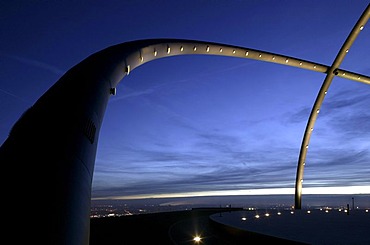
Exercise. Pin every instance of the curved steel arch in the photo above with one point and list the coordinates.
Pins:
(65, 121)
(332, 71)
(161, 48)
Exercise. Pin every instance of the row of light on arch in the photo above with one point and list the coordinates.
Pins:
(259, 54)
(221, 50)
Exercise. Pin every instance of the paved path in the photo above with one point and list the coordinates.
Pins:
(317, 227)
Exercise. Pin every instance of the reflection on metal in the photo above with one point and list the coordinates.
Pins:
(331, 72)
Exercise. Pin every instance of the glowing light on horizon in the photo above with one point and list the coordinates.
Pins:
(351, 190)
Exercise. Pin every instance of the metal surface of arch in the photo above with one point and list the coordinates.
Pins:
(332, 71)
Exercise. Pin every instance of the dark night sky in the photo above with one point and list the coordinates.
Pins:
(203, 125)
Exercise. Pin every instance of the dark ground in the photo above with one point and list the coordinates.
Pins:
(178, 227)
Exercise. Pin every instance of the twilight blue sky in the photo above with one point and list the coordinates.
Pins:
(203, 125)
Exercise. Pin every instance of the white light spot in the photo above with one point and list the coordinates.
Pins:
(197, 239)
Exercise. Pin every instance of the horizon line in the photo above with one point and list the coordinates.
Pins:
(344, 190)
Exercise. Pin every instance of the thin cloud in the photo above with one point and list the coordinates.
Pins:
(35, 63)
(14, 96)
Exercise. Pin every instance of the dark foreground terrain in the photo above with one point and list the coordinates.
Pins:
(178, 227)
